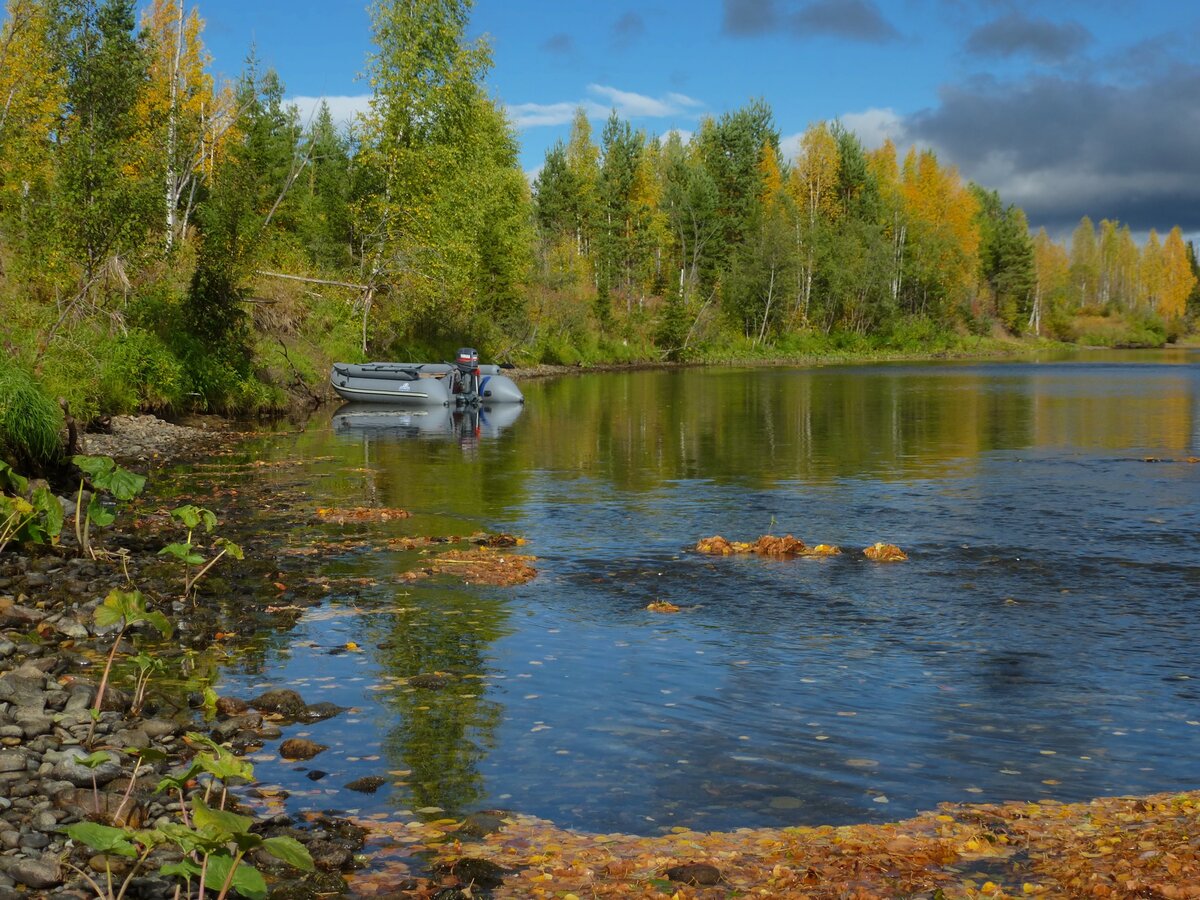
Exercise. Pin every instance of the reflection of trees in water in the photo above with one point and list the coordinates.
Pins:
(762, 426)
(442, 734)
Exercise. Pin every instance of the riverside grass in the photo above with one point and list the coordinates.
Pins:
(30, 422)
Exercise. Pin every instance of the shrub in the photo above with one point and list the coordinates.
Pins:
(140, 372)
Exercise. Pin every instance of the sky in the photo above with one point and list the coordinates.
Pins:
(1066, 107)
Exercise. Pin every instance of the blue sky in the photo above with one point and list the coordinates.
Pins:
(1067, 108)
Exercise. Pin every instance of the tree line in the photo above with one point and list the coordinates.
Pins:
(168, 241)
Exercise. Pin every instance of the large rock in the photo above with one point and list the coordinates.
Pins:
(25, 688)
(13, 760)
(38, 874)
(69, 768)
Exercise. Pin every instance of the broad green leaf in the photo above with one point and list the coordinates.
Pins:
(194, 517)
(99, 513)
(185, 868)
(103, 838)
(118, 605)
(290, 850)
(49, 510)
(247, 841)
(94, 466)
(148, 754)
(121, 483)
(92, 760)
(182, 552)
(231, 548)
(246, 880)
(9, 477)
(219, 821)
(222, 764)
(160, 623)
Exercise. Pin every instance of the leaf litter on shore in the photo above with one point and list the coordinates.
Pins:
(1115, 847)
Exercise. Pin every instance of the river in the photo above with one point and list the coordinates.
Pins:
(1040, 642)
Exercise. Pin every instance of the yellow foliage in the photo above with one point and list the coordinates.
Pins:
(813, 181)
(1177, 276)
(33, 96)
(941, 212)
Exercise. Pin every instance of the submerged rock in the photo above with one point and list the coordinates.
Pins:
(300, 748)
(695, 874)
(366, 785)
(476, 872)
(281, 700)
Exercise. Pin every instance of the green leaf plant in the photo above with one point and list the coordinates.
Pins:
(127, 609)
(33, 516)
(106, 477)
(195, 566)
(214, 841)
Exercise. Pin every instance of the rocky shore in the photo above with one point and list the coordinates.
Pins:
(62, 762)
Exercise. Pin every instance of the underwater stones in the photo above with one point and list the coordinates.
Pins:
(284, 701)
(317, 712)
(231, 706)
(300, 748)
(368, 784)
(481, 824)
(476, 872)
(695, 874)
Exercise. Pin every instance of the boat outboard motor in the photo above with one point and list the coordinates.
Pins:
(466, 366)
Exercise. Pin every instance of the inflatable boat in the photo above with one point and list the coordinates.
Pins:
(463, 382)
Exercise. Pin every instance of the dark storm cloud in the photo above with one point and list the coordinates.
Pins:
(628, 28)
(1064, 148)
(748, 17)
(858, 20)
(560, 44)
(1016, 34)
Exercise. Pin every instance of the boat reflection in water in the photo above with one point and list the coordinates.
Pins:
(386, 420)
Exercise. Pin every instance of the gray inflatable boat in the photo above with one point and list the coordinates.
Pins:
(463, 382)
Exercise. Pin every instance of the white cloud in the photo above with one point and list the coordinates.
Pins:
(874, 126)
(628, 105)
(685, 136)
(343, 109)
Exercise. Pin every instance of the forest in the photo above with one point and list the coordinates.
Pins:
(170, 243)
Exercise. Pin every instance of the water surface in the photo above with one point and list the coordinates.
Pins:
(1041, 642)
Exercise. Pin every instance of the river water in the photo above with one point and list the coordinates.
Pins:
(1041, 641)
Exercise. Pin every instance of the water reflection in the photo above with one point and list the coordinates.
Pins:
(379, 420)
